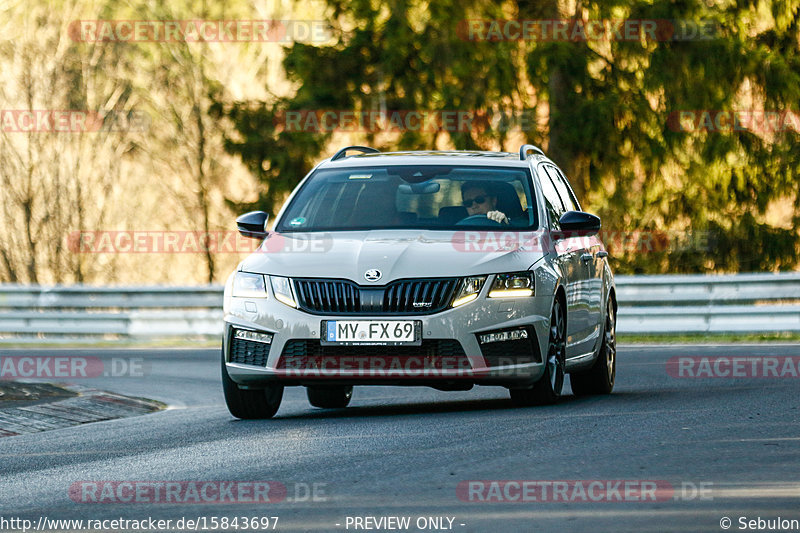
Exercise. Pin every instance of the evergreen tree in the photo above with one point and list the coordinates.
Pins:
(624, 118)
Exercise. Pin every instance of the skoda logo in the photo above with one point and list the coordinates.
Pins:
(372, 274)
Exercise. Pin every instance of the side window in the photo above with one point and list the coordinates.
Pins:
(552, 202)
(567, 196)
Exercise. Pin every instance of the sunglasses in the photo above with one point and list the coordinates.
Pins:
(477, 200)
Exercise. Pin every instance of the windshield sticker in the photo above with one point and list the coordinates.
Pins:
(299, 221)
(360, 176)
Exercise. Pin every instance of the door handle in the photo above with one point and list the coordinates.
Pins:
(587, 257)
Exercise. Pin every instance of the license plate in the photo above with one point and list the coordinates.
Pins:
(388, 332)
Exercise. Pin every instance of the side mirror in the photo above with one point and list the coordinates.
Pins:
(253, 224)
(579, 224)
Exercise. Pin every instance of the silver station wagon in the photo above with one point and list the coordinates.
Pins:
(445, 269)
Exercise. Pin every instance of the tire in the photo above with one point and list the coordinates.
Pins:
(600, 378)
(548, 389)
(334, 397)
(250, 404)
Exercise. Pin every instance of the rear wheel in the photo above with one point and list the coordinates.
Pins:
(334, 397)
(548, 389)
(600, 378)
(250, 404)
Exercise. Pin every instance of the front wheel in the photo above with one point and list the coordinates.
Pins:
(330, 397)
(600, 378)
(250, 404)
(548, 389)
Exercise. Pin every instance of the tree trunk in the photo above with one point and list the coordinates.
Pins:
(557, 96)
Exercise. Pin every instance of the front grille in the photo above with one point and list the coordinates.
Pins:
(401, 297)
(306, 353)
(328, 296)
(515, 352)
(415, 296)
(247, 352)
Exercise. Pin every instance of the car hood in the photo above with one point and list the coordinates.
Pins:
(396, 254)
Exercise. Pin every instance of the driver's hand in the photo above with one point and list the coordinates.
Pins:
(497, 216)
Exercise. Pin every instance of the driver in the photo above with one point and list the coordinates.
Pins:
(478, 200)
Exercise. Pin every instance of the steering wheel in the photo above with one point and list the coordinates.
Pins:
(481, 220)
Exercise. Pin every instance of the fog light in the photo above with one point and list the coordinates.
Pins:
(256, 336)
(502, 336)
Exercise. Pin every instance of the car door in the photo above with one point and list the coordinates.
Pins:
(588, 291)
(567, 258)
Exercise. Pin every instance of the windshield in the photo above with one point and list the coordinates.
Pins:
(442, 197)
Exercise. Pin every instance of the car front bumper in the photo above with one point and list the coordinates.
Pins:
(450, 354)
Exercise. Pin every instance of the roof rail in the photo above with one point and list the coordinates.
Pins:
(341, 154)
(525, 148)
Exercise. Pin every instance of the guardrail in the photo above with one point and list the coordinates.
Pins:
(741, 303)
(34, 313)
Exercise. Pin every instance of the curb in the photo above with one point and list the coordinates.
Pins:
(90, 405)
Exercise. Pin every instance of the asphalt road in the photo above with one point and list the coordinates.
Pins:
(723, 448)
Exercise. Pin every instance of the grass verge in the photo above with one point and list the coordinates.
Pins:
(14, 392)
(717, 338)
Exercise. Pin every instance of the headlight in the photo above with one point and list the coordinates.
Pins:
(283, 290)
(248, 285)
(470, 287)
(514, 285)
